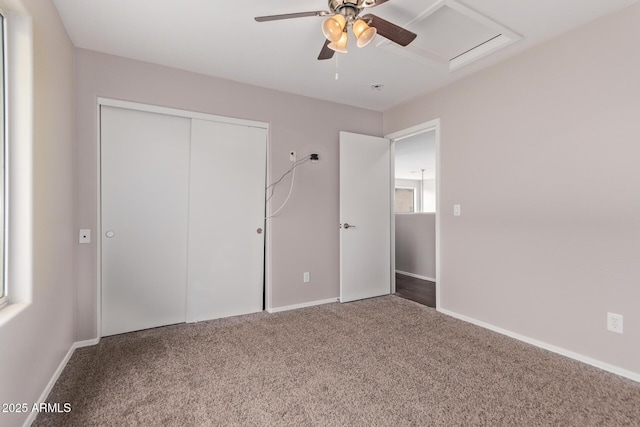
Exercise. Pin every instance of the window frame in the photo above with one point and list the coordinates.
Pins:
(19, 104)
(4, 289)
(413, 191)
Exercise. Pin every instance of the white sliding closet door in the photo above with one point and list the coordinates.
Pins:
(145, 195)
(226, 220)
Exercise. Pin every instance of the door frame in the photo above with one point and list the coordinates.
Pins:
(101, 101)
(397, 136)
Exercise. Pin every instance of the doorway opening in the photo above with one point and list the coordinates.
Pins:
(415, 226)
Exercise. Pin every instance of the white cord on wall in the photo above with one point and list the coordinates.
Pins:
(295, 165)
(293, 178)
(291, 170)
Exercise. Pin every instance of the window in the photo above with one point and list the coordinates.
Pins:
(405, 200)
(16, 163)
(3, 168)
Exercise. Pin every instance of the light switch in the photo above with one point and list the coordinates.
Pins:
(84, 236)
(456, 210)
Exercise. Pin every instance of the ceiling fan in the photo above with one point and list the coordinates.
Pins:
(343, 14)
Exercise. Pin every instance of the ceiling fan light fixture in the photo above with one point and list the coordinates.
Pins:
(363, 32)
(340, 45)
(333, 27)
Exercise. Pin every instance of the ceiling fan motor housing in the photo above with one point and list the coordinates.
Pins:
(347, 8)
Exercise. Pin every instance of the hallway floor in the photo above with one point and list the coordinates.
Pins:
(418, 290)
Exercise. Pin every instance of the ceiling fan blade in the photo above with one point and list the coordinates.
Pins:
(390, 31)
(291, 15)
(373, 3)
(326, 53)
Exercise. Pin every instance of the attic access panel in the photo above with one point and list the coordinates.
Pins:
(453, 35)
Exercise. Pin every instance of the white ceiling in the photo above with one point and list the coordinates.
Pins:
(221, 38)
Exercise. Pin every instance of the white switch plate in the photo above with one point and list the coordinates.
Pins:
(456, 210)
(305, 277)
(84, 236)
(614, 322)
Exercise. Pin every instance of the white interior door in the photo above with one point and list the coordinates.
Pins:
(145, 182)
(365, 216)
(226, 220)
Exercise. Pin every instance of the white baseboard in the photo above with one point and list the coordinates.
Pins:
(303, 305)
(417, 276)
(635, 376)
(86, 343)
(45, 393)
(54, 378)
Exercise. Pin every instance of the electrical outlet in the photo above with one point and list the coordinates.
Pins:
(292, 156)
(305, 277)
(84, 236)
(614, 322)
(456, 210)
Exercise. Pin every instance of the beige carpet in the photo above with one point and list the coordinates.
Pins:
(384, 361)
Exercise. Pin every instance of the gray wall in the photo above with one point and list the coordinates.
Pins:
(34, 341)
(304, 237)
(537, 251)
(416, 244)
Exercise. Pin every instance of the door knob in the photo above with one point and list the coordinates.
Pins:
(109, 234)
(346, 225)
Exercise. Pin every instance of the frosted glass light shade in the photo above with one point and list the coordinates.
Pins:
(340, 45)
(333, 26)
(363, 32)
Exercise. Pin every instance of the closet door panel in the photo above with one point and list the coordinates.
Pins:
(226, 209)
(145, 182)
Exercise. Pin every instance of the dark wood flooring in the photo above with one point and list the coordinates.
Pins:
(418, 290)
